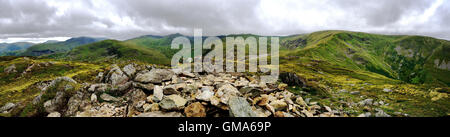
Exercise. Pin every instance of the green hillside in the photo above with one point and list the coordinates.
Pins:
(113, 49)
(158, 43)
(407, 58)
(8, 49)
(58, 47)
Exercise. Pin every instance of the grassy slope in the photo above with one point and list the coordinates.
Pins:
(369, 63)
(14, 48)
(15, 87)
(59, 47)
(112, 49)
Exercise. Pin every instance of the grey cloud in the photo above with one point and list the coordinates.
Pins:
(382, 12)
(36, 18)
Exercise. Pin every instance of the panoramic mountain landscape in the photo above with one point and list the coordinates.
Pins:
(327, 58)
(324, 73)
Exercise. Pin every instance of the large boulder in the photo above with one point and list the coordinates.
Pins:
(116, 77)
(54, 82)
(129, 70)
(154, 76)
(239, 107)
(74, 103)
(56, 104)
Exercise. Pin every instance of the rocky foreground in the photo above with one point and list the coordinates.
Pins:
(144, 91)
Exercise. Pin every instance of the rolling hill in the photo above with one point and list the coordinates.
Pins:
(58, 47)
(13, 48)
(413, 59)
(113, 49)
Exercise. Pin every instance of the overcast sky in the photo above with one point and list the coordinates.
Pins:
(40, 20)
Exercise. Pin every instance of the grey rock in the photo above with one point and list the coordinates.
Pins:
(54, 114)
(7, 107)
(136, 96)
(56, 104)
(225, 92)
(160, 114)
(381, 113)
(129, 70)
(147, 87)
(307, 100)
(172, 102)
(154, 76)
(93, 98)
(73, 104)
(158, 94)
(169, 90)
(139, 105)
(366, 102)
(10, 69)
(239, 107)
(206, 94)
(99, 77)
(109, 98)
(252, 92)
(116, 77)
(102, 87)
(58, 80)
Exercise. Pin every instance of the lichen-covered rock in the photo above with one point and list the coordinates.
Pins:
(195, 110)
(101, 87)
(56, 104)
(278, 105)
(129, 70)
(154, 76)
(173, 102)
(73, 104)
(239, 107)
(116, 77)
(249, 91)
(225, 92)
